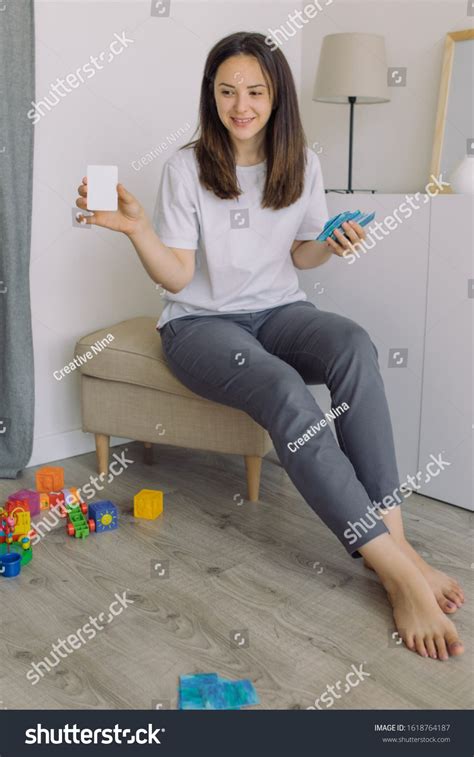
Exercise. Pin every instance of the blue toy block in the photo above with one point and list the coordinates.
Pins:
(104, 514)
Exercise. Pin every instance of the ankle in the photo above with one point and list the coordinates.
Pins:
(391, 563)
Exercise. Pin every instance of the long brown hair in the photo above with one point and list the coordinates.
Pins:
(285, 142)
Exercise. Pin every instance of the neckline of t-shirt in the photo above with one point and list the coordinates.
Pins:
(249, 168)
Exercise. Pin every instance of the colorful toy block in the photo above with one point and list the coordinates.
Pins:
(104, 514)
(44, 501)
(148, 504)
(50, 479)
(29, 496)
(21, 522)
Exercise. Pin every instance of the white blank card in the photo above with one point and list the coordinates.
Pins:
(102, 187)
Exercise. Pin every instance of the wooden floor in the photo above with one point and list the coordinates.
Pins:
(270, 571)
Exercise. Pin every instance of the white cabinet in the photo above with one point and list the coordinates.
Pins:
(446, 418)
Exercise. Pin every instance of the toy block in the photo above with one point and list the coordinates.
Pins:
(20, 522)
(50, 479)
(148, 504)
(23, 524)
(44, 501)
(29, 496)
(104, 514)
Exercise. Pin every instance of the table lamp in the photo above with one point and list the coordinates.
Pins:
(352, 69)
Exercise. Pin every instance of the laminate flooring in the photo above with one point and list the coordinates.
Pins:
(217, 584)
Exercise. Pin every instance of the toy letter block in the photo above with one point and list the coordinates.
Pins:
(30, 497)
(148, 504)
(50, 479)
(18, 509)
(104, 514)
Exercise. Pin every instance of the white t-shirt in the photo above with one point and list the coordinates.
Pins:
(243, 260)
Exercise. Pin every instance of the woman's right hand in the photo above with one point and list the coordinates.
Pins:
(127, 218)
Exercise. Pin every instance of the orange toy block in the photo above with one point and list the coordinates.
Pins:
(50, 479)
(148, 504)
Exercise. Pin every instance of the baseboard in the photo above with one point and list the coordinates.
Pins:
(48, 449)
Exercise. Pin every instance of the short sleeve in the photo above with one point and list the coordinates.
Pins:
(175, 217)
(316, 213)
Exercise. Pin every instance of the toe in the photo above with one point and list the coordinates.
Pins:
(441, 647)
(455, 592)
(454, 644)
(446, 604)
(431, 647)
(420, 646)
(452, 596)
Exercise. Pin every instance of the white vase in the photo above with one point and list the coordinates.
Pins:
(462, 178)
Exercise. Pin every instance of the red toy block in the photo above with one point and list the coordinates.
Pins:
(29, 496)
(50, 478)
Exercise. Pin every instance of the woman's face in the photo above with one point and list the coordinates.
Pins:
(243, 97)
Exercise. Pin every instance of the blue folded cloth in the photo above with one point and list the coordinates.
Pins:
(208, 691)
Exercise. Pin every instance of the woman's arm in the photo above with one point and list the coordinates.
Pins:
(310, 254)
(171, 267)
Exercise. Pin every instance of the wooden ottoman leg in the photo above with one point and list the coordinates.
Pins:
(253, 465)
(148, 453)
(102, 450)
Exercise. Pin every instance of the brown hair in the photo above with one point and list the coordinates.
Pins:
(285, 142)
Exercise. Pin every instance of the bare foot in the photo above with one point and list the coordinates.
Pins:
(447, 591)
(418, 618)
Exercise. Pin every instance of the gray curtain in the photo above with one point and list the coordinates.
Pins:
(17, 85)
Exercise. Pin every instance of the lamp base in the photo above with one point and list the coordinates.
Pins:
(350, 191)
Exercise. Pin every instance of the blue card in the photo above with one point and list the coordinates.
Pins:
(336, 222)
(208, 691)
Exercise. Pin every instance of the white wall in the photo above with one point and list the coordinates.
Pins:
(392, 141)
(86, 278)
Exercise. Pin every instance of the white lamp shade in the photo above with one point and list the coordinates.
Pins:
(352, 65)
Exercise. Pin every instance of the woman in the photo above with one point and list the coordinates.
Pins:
(237, 329)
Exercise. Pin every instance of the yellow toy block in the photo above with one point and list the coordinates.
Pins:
(23, 522)
(50, 479)
(148, 504)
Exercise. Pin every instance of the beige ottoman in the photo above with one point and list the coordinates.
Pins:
(127, 390)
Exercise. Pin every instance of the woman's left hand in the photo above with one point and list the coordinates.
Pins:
(342, 246)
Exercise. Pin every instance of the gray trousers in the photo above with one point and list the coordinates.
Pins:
(261, 363)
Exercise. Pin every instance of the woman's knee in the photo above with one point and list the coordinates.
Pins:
(280, 396)
(357, 341)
